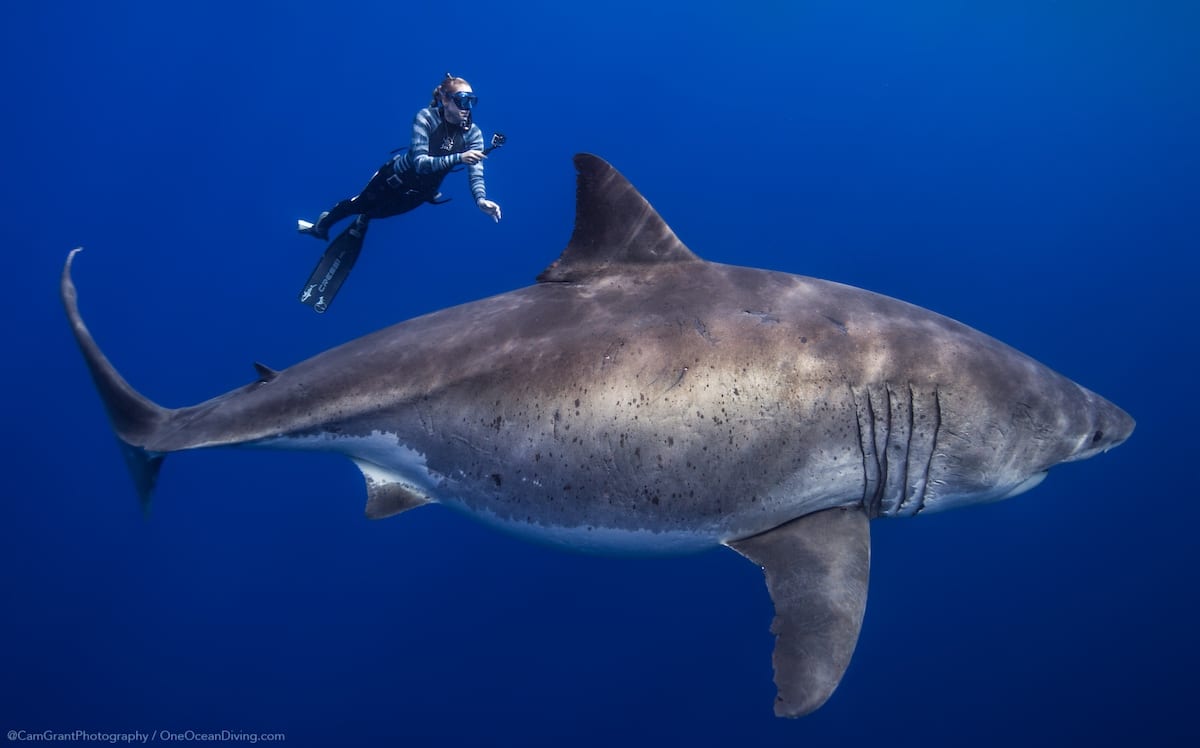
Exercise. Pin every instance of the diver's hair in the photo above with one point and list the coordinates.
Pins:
(446, 87)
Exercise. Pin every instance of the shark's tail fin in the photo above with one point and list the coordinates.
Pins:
(133, 417)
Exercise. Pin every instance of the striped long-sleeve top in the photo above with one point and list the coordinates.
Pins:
(436, 147)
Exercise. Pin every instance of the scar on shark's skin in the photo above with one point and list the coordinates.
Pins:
(638, 399)
(678, 379)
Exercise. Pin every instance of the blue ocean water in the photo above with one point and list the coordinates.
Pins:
(1028, 168)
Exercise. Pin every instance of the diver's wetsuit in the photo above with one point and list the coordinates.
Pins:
(415, 176)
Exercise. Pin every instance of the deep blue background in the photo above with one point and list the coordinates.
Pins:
(1027, 167)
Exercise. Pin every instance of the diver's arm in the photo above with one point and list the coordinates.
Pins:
(423, 126)
(475, 171)
(474, 143)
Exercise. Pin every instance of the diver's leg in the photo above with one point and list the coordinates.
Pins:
(363, 202)
(393, 204)
(327, 219)
(384, 196)
(330, 217)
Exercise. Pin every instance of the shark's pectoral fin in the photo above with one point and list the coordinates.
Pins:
(387, 495)
(817, 569)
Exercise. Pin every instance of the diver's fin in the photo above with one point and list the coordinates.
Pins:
(333, 268)
(386, 494)
(817, 569)
(614, 227)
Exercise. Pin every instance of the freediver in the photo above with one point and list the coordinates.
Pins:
(444, 137)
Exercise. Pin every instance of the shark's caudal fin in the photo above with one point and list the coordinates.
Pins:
(816, 568)
(133, 416)
(614, 227)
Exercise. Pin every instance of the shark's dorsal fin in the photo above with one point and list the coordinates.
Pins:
(265, 373)
(614, 228)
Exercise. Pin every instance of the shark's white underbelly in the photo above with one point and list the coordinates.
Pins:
(385, 459)
(594, 539)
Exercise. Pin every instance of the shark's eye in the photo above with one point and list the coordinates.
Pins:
(1099, 435)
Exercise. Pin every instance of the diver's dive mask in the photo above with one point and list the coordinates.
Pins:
(464, 100)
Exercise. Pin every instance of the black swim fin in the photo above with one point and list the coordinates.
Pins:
(335, 265)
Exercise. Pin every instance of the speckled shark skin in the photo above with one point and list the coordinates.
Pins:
(638, 399)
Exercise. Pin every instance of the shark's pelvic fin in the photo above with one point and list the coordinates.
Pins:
(817, 569)
(387, 495)
(133, 416)
(614, 227)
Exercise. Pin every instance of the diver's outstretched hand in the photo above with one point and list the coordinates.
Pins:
(473, 157)
(491, 208)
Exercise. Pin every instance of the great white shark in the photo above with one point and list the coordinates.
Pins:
(639, 399)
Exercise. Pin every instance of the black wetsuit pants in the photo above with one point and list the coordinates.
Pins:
(385, 195)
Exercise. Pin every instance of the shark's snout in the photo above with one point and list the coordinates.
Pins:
(1109, 426)
(1114, 427)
